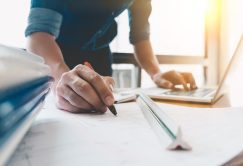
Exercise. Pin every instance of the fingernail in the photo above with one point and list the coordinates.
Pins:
(109, 100)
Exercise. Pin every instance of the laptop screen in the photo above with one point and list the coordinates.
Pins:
(233, 71)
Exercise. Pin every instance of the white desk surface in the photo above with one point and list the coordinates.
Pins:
(61, 138)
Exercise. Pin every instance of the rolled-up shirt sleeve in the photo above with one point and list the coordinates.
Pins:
(139, 14)
(44, 20)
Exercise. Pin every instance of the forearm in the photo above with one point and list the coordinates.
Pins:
(146, 58)
(45, 46)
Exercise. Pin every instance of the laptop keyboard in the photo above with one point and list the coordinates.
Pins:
(194, 93)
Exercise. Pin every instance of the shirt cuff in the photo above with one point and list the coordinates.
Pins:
(44, 20)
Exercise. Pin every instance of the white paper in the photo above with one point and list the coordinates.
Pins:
(215, 134)
(119, 98)
(59, 138)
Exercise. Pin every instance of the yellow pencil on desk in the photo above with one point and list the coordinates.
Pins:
(112, 107)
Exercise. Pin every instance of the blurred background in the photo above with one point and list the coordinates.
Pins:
(198, 36)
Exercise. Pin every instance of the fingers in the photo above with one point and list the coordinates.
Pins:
(97, 83)
(189, 79)
(166, 84)
(63, 104)
(83, 89)
(172, 78)
(73, 98)
(80, 91)
(175, 78)
(162, 82)
(184, 83)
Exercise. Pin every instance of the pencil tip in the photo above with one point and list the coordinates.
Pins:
(113, 110)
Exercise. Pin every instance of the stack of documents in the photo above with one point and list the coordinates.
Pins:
(25, 81)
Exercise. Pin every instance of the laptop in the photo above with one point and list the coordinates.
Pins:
(200, 95)
(204, 94)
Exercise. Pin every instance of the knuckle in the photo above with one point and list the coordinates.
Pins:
(79, 67)
(65, 76)
(82, 86)
(94, 78)
(171, 73)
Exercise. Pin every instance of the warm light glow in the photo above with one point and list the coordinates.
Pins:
(212, 11)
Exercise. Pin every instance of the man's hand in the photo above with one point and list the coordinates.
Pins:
(172, 78)
(147, 60)
(83, 89)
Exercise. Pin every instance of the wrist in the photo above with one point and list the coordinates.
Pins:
(155, 74)
(58, 70)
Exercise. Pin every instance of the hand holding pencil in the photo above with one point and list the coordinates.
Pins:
(82, 89)
(110, 82)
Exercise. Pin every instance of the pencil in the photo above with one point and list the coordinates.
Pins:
(112, 108)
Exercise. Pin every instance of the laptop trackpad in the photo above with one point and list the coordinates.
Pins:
(195, 93)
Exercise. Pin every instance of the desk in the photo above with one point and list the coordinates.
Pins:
(124, 140)
(227, 100)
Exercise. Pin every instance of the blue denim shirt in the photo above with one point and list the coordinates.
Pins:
(88, 24)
